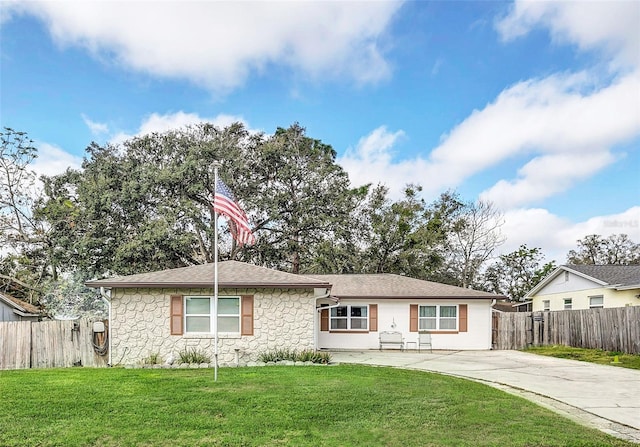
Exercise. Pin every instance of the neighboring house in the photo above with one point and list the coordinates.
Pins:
(525, 306)
(587, 287)
(503, 306)
(261, 309)
(13, 309)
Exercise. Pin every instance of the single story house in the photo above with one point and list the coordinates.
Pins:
(587, 287)
(456, 318)
(261, 309)
(13, 309)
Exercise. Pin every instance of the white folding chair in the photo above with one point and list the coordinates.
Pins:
(424, 339)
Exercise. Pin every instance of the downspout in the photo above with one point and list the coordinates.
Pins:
(318, 309)
(105, 294)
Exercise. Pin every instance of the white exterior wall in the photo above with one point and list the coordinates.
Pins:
(580, 298)
(396, 311)
(140, 325)
(568, 282)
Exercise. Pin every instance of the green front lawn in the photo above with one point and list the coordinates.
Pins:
(588, 355)
(345, 405)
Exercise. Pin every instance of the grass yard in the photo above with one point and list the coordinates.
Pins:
(588, 355)
(345, 405)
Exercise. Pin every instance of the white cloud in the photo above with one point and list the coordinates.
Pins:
(95, 127)
(564, 123)
(219, 44)
(372, 162)
(53, 160)
(608, 26)
(567, 125)
(545, 176)
(163, 122)
(556, 236)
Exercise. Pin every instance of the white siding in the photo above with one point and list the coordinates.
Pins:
(580, 298)
(567, 282)
(393, 315)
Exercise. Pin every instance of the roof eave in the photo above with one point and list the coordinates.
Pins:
(202, 285)
(417, 297)
(625, 286)
(26, 314)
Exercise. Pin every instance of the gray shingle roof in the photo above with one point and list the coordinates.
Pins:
(386, 285)
(20, 305)
(234, 274)
(230, 274)
(613, 275)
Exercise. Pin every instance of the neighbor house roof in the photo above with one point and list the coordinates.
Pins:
(20, 307)
(386, 285)
(619, 277)
(231, 274)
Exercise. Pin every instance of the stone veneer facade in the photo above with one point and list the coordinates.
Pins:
(140, 325)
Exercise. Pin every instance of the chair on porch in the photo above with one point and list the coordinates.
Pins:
(424, 339)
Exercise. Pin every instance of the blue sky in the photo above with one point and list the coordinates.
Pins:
(533, 106)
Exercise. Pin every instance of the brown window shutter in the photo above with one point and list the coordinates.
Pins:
(462, 323)
(247, 315)
(373, 317)
(324, 320)
(176, 310)
(413, 318)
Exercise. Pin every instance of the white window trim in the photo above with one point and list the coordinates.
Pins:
(349, 318)
(438, 317)
(569, 303)
(546, 304)
(597, 306)
(211, 320)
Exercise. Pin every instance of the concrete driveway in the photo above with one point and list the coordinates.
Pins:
(599, 396)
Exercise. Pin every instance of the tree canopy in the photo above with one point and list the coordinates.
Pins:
(616, 249)
(146, 204)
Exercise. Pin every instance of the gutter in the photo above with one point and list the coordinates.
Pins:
(203, 284)
(105, 294)
(318, 309)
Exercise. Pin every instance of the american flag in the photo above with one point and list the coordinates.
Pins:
(225, 203)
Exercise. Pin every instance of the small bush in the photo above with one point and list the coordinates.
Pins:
(193, 356)
(322, 357)
(305, 356)
(278, 355)
(152, 359)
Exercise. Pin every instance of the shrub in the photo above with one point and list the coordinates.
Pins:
(193, 356)
(308, 355)
(152, 359)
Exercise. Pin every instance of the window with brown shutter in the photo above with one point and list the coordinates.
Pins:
(413, 318)
(462, 322)
(373, 317)
(324, 320)
(176, 314)
(246, 315)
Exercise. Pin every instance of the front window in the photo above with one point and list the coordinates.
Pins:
(350, 318)
(596, 302)
(546, 304)
(568, 303)
(200, 309)
(438, 318)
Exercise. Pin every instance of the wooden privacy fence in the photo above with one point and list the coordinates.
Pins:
(48, 344)
(615, 329)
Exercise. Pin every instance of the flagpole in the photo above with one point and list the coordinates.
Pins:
(216, 164)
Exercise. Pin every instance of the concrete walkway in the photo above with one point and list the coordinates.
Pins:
(598, 396)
